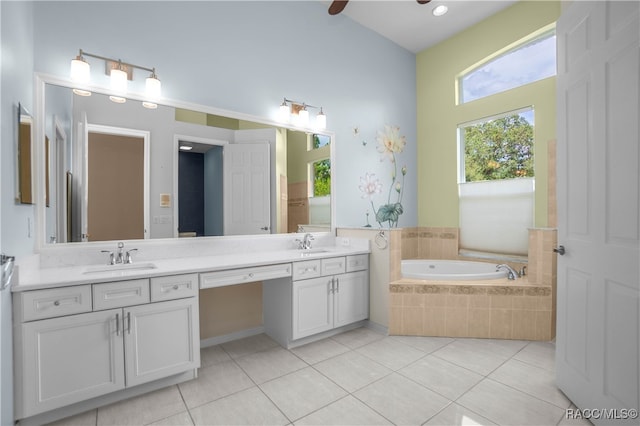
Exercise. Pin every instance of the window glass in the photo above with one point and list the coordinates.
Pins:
(318, 141)
(321, 177)
(531, 61)
(497, 148)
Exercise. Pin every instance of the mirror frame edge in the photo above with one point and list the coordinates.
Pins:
(40, 81)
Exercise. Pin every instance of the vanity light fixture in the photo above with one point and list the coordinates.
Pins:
(119, 72)
(296, 112)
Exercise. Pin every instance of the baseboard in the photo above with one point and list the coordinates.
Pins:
(217, 340)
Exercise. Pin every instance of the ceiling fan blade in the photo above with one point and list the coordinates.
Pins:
(337, 7)
(423, 1)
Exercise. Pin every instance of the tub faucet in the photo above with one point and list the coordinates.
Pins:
(512, 273)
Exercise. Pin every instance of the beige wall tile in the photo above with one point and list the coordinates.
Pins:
(457, 322)
(524, 302)
(479, 322)
(523, 325)
(434, 321)
(500, 323)
(500, 302)
(412, 324)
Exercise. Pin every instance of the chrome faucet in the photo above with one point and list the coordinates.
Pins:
(305, 243)
(121, 256)
(512, 273)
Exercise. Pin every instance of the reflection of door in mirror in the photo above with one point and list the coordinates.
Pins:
(116, 186)
(25, 179)
(247, 198)
(200, 189)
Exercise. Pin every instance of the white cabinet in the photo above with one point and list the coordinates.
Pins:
(68, 359)
(334, 299)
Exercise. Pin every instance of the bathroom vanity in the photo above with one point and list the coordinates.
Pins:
(88, 335)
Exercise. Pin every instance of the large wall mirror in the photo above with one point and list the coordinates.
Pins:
(120, 171)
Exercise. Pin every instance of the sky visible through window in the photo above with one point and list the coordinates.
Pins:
(531, 62)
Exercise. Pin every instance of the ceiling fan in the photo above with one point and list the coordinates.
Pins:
(338, 6)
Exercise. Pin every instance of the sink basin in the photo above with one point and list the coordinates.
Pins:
(310, 252)
(119, 268)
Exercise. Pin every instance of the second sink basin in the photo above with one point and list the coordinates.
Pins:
(119, 267)
(310, 252)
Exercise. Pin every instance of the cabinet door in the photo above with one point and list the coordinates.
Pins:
(70, 359)
(351, 298)
(312, 306)
(161, 339)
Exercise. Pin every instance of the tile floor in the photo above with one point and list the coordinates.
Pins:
(359, 377)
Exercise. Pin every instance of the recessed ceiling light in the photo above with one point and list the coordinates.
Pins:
(440, 10)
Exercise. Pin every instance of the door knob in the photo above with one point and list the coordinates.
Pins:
(265, 228)
(560, 250)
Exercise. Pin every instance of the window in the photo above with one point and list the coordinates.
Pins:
(496, 183)
(319, 141)
(530, 60)
(321, 178)
(499, 147)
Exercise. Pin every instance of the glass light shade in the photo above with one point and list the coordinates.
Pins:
(150, 105)
(153, 88)
(118, 81)
(440, 10)
(118, 99)
(284, 115)
(80, 70)
(303, 116)
(321, 120)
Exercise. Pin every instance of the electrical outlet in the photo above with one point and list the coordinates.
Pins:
(345, 242)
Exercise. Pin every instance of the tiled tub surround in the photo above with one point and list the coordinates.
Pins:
(520, 309)
(499, 309)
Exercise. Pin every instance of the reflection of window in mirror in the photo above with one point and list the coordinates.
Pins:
(25, 176)
(320, 178)
(319, 141)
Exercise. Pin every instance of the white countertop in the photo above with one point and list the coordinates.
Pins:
(40, 278)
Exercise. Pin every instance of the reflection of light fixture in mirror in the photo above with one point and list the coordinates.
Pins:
(119, 72)
(440, 10)
(185, 146)
(297, 113)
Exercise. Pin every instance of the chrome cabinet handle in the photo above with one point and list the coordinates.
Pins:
(56, 303)
(337, 285)
(128, 322)
(117, 324)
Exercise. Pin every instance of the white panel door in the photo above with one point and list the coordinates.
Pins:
(247, 196)
(161, 339)
(598, 323)
(351, 298)
(71, 359)
(312, 306)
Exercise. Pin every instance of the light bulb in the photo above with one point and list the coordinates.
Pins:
(321, 120)
(153, 87)
(118, 81)
(80, 70)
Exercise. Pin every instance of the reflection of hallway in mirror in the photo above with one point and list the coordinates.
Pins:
(200, 210)
(115, 204)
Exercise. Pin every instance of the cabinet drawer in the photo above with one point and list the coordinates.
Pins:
(174, 287)
(244, 275)
(55, 302)
(306, 269)
(119, 294)
(357, 262)
(335, 265)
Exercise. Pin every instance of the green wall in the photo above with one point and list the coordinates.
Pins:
(438, 115)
